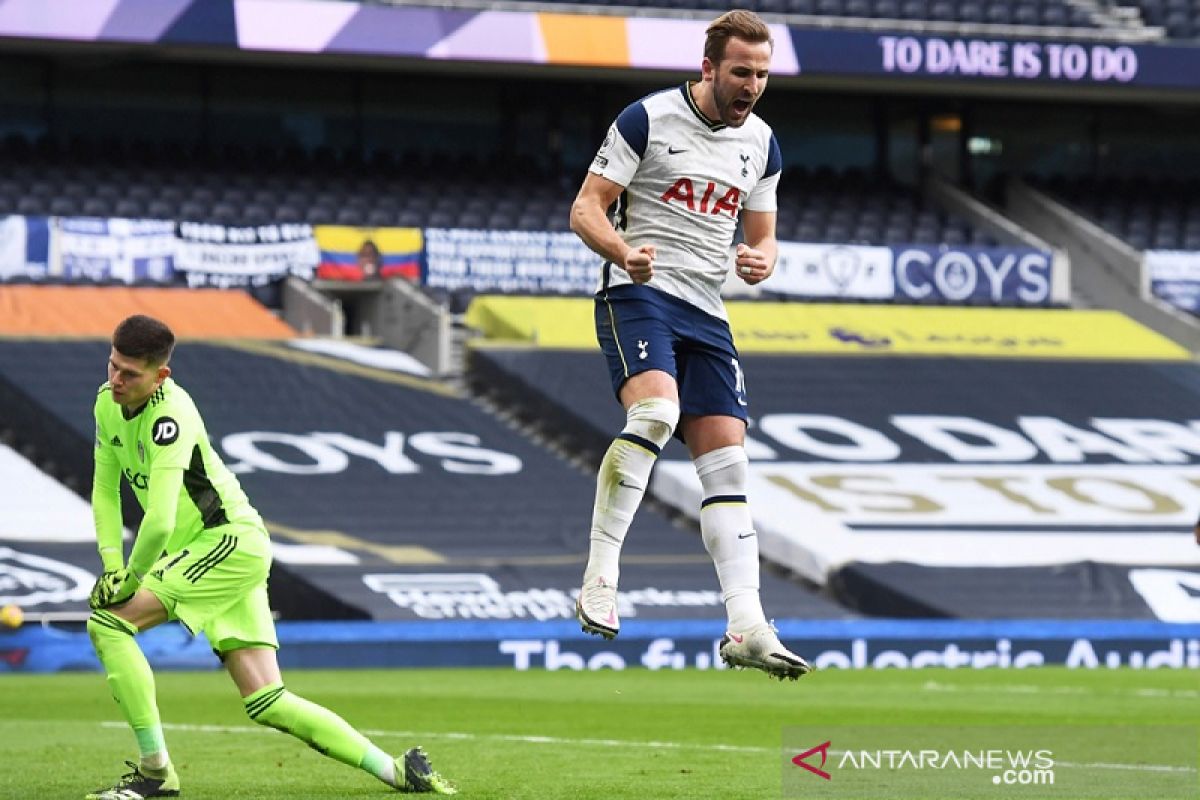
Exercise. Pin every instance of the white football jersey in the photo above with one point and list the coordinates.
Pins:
(686, 179)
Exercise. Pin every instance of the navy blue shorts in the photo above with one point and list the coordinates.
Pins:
(640, 329)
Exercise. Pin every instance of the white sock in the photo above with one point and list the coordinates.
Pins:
(154, 761)
(389, 775)
(621, 484)
(729, 535)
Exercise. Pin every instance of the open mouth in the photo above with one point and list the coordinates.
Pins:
(742, 107)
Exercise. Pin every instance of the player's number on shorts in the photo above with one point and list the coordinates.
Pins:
(739, 382)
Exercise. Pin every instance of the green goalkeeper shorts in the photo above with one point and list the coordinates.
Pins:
(218, 585)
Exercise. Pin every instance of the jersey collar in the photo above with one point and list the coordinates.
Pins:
(712, 125)
(127, 415)
(154, 399)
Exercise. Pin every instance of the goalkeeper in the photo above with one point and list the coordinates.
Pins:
(201, 556)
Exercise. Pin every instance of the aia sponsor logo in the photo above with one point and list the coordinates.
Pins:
(704, 197)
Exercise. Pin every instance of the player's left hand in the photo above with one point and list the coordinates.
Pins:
(752, 266)
(113, 588)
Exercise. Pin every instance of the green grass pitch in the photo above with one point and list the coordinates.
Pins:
(544, 735)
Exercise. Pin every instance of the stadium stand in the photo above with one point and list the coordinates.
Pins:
(929, 487)
(95, 311)
(281, 188)
(1147, 20)
(1180, 18)
(850, 207)
(1148, 214)
(816, 205)
(383, 492)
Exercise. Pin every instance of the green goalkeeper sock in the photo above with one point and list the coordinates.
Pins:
(131, 682)
(320, 728)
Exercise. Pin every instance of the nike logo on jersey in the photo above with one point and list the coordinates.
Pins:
(745, 535)
(628, 485)
(674, 152)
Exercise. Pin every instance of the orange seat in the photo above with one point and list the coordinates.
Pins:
(94, 311)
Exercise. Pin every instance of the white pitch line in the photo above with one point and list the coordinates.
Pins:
(1128, 767)
(488, 737)
(576, 742)
(935, 686)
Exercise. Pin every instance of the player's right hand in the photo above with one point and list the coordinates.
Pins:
(114, 588)
(100, 589)
(639, 263)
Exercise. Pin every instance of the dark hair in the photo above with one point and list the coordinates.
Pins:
(144, 337)
(736, 24)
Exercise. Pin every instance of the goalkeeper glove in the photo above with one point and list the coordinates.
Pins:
(113, 588)
(98, 594)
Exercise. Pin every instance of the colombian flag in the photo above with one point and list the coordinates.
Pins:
(354, 254)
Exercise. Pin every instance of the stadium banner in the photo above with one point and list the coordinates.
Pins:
(108, 249)
(354, 254)
(828, 329)
(1175, 277)
(541, 262)
(24, 247)
(224, 256)
(957, 274)
(833, 270)
(914, 273)
(525, 37)
(659, 645)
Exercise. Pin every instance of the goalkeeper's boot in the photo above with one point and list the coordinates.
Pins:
(760, 648)
(419, 774)
(136, 785)
(596, 608)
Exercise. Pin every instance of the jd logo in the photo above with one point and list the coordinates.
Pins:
(30, 580)
(136, 479)
(166, 431)
(823, 749)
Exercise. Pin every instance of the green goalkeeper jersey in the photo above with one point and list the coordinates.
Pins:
(181, 483)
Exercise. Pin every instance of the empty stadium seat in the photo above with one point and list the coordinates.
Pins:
(129, 208)
(998, 14)
(1055, 16)
(63, 207)
(943, 11)
(887, 9)
(286, 213)
(319, 215)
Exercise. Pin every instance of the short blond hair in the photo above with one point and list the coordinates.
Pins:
(740, 24)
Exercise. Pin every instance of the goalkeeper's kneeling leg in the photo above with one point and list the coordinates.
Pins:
(316, 726)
